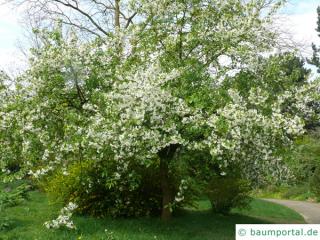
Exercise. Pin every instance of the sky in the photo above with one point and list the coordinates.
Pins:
(298, 18)
(11, 32)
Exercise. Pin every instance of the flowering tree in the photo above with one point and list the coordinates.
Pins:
(10, 126)
(171, 83)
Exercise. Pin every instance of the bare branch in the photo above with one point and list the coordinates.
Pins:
(129, 20)
(84, 14)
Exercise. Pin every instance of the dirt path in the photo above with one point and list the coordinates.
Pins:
(310, 211)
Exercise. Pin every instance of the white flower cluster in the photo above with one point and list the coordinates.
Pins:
(64, 219)
(180, 194)
(146, 116)
(40, 172)
(249, 137)
(257, 96)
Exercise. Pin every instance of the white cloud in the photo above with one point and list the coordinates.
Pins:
(11, 59)
(298, 21)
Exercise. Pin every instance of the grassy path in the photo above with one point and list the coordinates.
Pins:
(310, 211)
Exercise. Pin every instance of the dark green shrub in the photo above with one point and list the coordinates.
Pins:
(5, 223)
(10, 197)
(315, 183)
(107, 189)
(296, 192)
(226, 192)
(99, 191)
(305, 156)
(13, 197)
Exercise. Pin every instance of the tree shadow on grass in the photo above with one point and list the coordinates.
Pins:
(188, 224)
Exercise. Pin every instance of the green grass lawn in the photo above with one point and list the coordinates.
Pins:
(196, 224)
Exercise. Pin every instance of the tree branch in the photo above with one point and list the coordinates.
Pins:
(84, 14)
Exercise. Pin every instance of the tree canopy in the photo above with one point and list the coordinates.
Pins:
(183, 94)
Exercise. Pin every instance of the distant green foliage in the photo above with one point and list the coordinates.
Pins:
(299, 192)
(315, 183)
(226, 192)
(304, 158)
(303, 161)
(315, 60)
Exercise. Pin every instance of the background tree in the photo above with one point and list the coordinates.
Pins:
(315, 60)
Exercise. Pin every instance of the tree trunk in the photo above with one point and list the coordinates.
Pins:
(166, 189)
(166, 156)
(117, 14)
